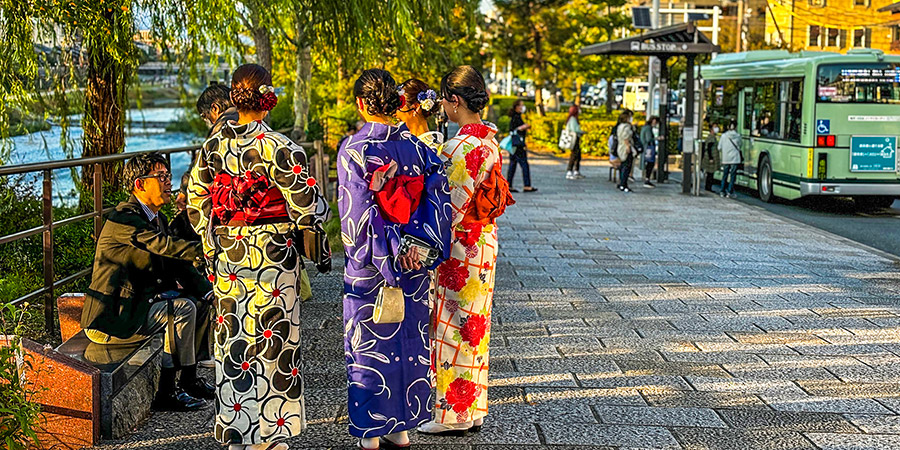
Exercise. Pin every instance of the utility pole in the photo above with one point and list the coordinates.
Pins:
(652, 62)
(508, 77)
(740, 25)
(688, 131)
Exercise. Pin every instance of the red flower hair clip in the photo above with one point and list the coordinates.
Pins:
(402, 94)
(268, 100)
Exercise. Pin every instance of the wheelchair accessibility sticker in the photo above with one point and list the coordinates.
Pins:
(823, 126)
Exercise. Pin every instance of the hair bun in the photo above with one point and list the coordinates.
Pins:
(468, 83)
(245, 99)
(478, 101)
(251, 88)
(392, 102)
(378, 90)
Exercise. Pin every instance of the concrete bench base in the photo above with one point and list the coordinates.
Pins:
(89, 391)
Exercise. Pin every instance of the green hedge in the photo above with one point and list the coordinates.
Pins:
(597, 124)
(545, 131)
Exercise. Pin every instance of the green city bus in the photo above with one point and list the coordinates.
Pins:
(812, 123)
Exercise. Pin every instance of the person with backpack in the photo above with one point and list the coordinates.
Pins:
(573, 126)
(625, 147)
(519, 157)
(648, 140)
(730, 146)
(710, 162)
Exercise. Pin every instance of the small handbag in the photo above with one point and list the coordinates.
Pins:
(517, 141)
(390, 306)
(506, 143)
(312, 243)
(567, 139)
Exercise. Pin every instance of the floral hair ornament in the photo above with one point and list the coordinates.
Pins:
(402, 94)
(427, 99)
(268, 100)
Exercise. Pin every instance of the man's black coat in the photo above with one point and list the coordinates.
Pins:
(137, 259)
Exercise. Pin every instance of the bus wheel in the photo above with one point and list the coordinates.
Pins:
(764, 180)
(873, 202)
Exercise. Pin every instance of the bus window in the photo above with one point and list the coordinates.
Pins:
(859, 83)
(765, 110)
(776, 109)
(749, 119)
(794, 110)
(723, 102)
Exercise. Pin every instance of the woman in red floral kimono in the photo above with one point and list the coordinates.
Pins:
(461, 319)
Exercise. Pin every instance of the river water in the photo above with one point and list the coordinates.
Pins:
(45, 146)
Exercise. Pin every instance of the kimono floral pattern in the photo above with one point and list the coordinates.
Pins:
(255, 275)
(461, 316)
(389, 374)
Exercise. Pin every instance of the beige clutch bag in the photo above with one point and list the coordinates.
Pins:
(389, 305)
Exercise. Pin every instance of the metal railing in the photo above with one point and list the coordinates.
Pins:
(317, 166)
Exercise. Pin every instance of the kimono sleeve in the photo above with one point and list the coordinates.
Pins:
(199, 198)
(431, 220)
(365, 234)
(462, 184)
(290, 173)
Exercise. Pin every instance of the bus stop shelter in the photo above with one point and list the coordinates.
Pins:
(666, 43)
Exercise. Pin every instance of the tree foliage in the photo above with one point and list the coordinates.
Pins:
(543, 39)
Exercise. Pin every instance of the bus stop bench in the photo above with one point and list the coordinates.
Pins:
(90, 391)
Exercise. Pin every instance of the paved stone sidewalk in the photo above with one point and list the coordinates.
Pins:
(649, 320)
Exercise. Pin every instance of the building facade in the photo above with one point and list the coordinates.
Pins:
(833, 25)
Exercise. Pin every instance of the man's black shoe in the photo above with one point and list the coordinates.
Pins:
(200, 388)
(176, 401)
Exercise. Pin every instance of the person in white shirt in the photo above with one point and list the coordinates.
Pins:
(730, 146)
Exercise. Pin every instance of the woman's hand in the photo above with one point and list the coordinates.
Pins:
(410, 260)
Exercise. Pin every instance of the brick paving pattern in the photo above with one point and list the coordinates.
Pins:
(649, 320)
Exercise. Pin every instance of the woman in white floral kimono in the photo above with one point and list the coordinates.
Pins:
(248, 190)
(461, 318)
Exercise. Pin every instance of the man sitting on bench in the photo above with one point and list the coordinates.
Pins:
(144, 282)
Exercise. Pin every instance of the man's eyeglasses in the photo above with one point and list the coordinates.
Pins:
(162, 177)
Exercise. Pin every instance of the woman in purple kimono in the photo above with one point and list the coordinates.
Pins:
(391, 187)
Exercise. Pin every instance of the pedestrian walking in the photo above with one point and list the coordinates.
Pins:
(711, 160)
(649, 140)
(573, 127)
(249, 191)
(625, 149)
(395, 207)
(519, 156)
(464, 284)
(730, 146)
(420, 102)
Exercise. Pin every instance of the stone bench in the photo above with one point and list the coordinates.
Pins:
(90, 391)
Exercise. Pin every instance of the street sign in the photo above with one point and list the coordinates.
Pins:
(873, 153)
(823, 126)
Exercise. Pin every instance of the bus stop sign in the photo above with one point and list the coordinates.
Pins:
(873, 153)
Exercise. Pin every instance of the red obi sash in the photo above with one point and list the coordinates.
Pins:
(248, 199)
(397, 196)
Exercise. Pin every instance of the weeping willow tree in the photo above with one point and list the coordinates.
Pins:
(65, 53)
(340, 35)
